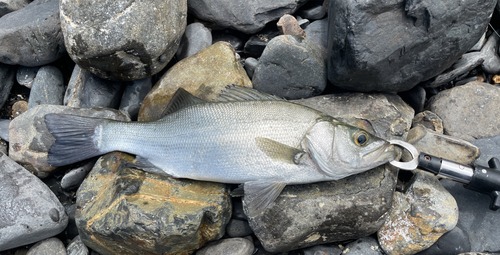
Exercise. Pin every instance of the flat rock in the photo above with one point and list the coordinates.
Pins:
(291, 67)
(465, 108)
(196, 37)
(419, 216)
(394, 45)
(245, 16)
(51, 246)
(230, 246)
(197, 75)
(32, 36)
(30, 140)
(30, 211)
(47, 87)
(124, 39)
(7, 73)
(123, 210)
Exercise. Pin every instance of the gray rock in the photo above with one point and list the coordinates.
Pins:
(4, 129)
(419, 216)
(291, 67)
(223, 36)
(123, 40)
(451, 243)
(489, 147)
(317, 32)
(415, 97)
(429, 120)
(30, 140)
(250, 65)
(51, 246)
(238, 228)
(480, 43)
(238, 212)
(444, 146)
(75, 177)
(465, 108)
(196, 37)
(30, 211)
(7, 6)
(47, 88)
(402, 42)
(313, 10)
(464, 65)
(7, 73)
(77, 247)
(86, 90)
(26, 75)
(258, 42)
(489, 52)
(32, 35)
(134, 94)
(385, 115)
(245, 16)
(322, 250)
(363, 246)
(230, 246)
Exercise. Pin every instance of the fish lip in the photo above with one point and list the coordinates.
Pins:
(381, 154)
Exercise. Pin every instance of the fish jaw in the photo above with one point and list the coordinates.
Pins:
(379, 155)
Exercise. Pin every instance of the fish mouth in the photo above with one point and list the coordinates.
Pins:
(380, 155)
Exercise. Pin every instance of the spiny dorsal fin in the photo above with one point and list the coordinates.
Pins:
(181, 99)
(235, 93)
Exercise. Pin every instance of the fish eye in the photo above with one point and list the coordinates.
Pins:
(361, 138)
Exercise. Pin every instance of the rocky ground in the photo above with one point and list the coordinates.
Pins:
(421, 71)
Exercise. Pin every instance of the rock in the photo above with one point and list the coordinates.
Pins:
(238, 212)
(75, 177)
(19, 108)
(3, 146)
(123, 40)
(317, 32)
(257, 43)
(196, 37)
(32, 35)
(451, 243)
(322, 250)
(443, 146)
(480, 43)
(4, 129)
(30, 140)
(288, 25)
(429, 120)
(245, 16)
(7, 6)
(230, 246)
(123, 210)
(51, 246)
(250, 65)
(419, 216)
(47, 88)
(385, 115)
(7, 73)
(26, 75)
(197, 75)
(238, 228)
(313, 10)
(77, 247)
(85, 90)
(291, 67)
(325, 212)
(134, 94)
(465, 108)
(489, 52)
(489, 147)
(363, 246)
(227, 36)
(30, 211)
(392, 46)
(463, 66)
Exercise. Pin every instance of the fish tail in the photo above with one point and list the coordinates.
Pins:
(75, 138)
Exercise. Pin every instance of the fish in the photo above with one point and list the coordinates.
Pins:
(246, 137)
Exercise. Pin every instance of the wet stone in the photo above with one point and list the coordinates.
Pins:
(26, 75)
(291, 67)
(174, 215)
(134, 94)
(77, 247)
(47, 87)
(238, 228)
(51, 246)
(363, 246)
(196, 37)
(230, 246)
(30, 210)
(7, 73)
(32, 36)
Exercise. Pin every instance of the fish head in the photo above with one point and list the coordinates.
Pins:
(340, 150)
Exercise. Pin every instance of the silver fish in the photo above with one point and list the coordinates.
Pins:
(245, 137)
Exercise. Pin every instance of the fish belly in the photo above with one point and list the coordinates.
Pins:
(217, 141)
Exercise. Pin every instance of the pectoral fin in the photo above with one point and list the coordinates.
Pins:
(259, 195)
(279, 151)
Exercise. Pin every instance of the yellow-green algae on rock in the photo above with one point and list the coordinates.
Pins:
(204, 74)
(123, 210)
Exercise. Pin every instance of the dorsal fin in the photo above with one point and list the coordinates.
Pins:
(235, 93)
(181, 99)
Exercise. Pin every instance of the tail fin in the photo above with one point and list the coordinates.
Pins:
(74, 138)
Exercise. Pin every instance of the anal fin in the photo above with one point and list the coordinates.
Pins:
(145, 165)
(259, 195)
